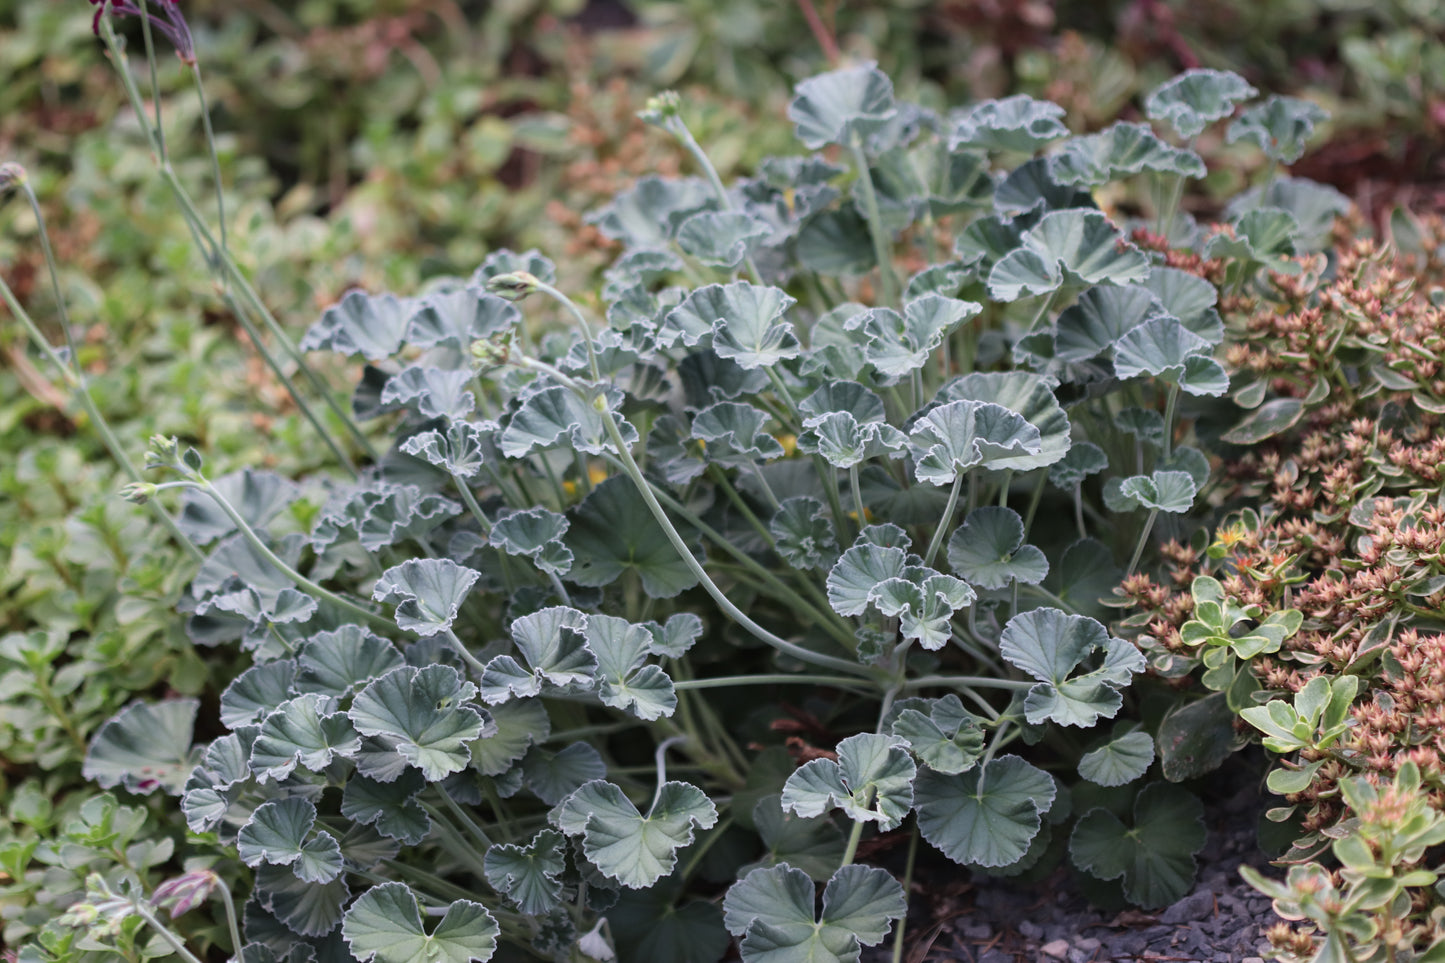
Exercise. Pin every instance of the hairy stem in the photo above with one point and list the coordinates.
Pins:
(943, 522)
(876, 229)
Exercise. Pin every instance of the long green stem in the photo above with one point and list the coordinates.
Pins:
(1042, 312)
(226, 271)
(461, 650)
(948, 510)
(75, 381)
(688, 559)
(1034, 500)
(165, 933)
(52, 268)
(876, 229)
(965, 681)
(264, 550)
(678, 129)
(145, 29)
(776, 678)
(232, 923)
(215, 158)
(1169, 405)
(856, 488)
(907, 885)
(1143, 540)
(821, 614)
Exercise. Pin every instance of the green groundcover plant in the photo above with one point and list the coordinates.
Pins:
(870, 433)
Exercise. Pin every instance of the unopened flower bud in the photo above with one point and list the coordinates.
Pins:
(514, 286)
(163, 452)
(139, 492)
(660, 109)
(11, 175)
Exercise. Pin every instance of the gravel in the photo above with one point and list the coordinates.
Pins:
(956, 917)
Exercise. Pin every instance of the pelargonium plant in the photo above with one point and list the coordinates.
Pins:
(667, 604)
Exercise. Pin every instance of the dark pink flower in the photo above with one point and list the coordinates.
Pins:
(186, 892)
(165, 16)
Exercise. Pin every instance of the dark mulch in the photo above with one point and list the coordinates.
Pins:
(960, 918)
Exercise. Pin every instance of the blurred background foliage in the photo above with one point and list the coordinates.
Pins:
(380, 143)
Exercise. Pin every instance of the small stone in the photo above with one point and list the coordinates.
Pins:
(1088, 944)
(1195, 906)
(996, 956)
(1058, 949)
(976, 931)
(1030, 930)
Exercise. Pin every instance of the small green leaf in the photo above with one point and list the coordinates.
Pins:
(372, 326)
(339, 662)
(461, 316)
(1261, 236)
(1163, 491)
(734, 434)
(1028, 395)
(554, 652)
(803, 531)
(1163, 348)
(420, 714)
(1156, 856)
(985, 817)
(740, 321)
(853, 580)
(673, 638)
(431, 391)
(721, 239)
(960, 435)
(613, 532)
(1119, 151)
(1196, 98)
(948, 739)
(385, 925)
(519, 723)
(277, 834)
(812, 844)
(554, 776)
(772, 909)
(901, 343)
(1266, 421)
(460, 450)
(1019, 123)
(988, 549)
(146, 746)
(1280, 126)
(537, 534)
(555, 417)
(872, 781)
(308, 731)
(835, 107)
(625, 845)
(428, 592)
(257, 692)
(1049, 645)
(529, 875)
(306, 908)
(648, 216)
(1101, 316)
(1084, 459)
(392, 807)
(1074, 247)
(624, 681)
(257, 496)
(1121, 760)
(844, 443)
